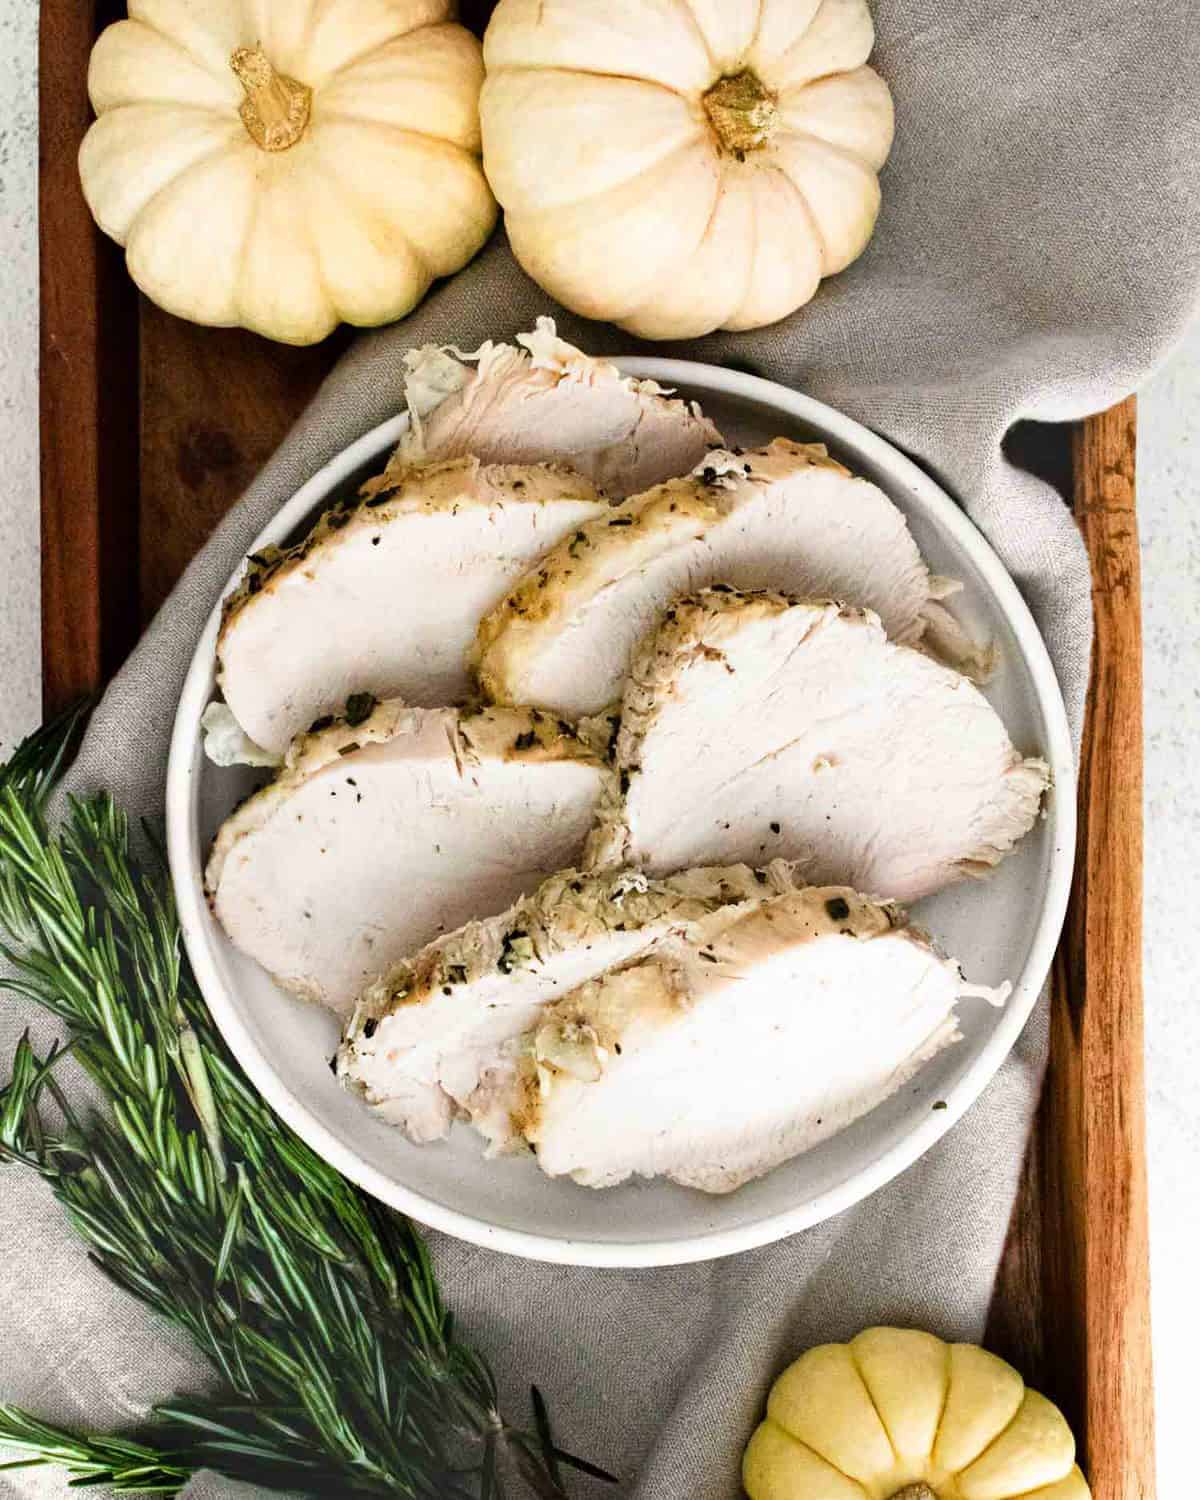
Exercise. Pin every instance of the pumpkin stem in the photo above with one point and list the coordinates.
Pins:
(276, 108)
(741, 109)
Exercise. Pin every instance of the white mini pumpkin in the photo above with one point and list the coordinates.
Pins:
(677, 166)
(898, 1415)
(287, 165)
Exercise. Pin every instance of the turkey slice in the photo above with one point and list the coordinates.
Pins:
(384, 595)
(757, 727)
(383, 832)
(785, 516)
(434, 1037)
(547, 400)
(710, 1065)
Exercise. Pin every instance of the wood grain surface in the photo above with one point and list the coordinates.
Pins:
(215, 403)
(1097, 1182)
(88, 403)
(151, 428)
(1072, 1304)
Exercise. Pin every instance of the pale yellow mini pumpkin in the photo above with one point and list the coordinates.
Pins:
(288, 165)
(899, 1415)
(677, 166)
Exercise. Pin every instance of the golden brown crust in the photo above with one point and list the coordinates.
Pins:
(608, 548)
(568, 909)
(581, 1034)
(511, 734)
(413, 490)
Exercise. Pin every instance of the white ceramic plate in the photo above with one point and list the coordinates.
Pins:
(1004, 928)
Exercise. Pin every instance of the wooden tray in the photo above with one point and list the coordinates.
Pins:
(151, 428)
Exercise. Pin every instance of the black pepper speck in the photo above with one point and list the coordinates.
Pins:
(359, 708)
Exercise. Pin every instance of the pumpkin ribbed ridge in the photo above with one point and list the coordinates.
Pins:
(897, 1414)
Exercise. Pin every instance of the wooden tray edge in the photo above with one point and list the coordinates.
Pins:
(1084, 1183)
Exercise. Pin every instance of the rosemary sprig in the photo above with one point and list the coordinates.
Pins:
(317, 1308)
(126, 1466)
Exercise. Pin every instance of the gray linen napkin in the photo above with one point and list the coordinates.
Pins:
(1038, 253)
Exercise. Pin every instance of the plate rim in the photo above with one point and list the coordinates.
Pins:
(185, 860)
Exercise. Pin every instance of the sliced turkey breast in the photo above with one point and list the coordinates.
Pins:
(785, 516)
(712, 1065)
(756, 726)
(384, 595)
(547, 400)
(434, 1037)
(390, 827)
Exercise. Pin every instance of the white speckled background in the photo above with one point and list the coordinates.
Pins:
(19, 609)
(1169, 477)
(1169, 472)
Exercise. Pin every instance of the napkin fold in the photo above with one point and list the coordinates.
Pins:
(1038, 253)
